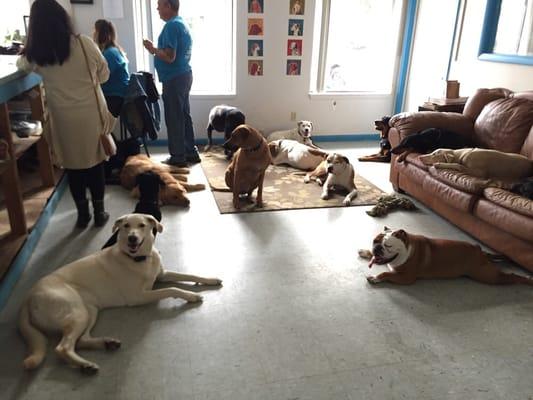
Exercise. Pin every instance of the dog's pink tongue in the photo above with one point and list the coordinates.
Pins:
(372, 261)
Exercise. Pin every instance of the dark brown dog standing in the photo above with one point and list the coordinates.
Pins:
(410, 257)
(247, 168)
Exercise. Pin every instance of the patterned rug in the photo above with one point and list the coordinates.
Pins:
(283, 189)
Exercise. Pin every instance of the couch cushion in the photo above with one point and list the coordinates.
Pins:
(505, 219)
(509, 200)
(454, 197)
(527, 148)
(482, 97)
(461, 181)
(504, 124)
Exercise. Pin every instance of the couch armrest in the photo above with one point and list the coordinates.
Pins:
(408, 123)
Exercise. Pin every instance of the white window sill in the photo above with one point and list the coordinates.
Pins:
(214, 96)
(346, 95)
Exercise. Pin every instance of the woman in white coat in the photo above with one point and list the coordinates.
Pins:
(53, 51)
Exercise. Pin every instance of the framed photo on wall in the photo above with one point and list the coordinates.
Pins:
(255, 26)
(255, 6)
(294, 47)
(294, 67)
(297, 7)
(255, 48)
(296, 27)
(255, 67)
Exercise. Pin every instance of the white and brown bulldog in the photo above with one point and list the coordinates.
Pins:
(333, 173)
(410, 257)
(295, 154)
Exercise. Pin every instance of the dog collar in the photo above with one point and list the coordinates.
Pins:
(139, 258)
(256, 147)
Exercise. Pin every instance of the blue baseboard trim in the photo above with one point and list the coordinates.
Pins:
(357, 137)
(19, 263)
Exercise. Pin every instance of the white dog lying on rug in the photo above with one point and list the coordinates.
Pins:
(338, 173)
(297, 155)
(302, 133)
(68, 300)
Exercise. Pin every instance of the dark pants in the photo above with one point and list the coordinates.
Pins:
(81, 179)
(178, 117)
(114, 104)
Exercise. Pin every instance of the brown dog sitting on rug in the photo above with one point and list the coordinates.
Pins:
(247, 168)
(411, 257)
(384, 155)
(175, 186)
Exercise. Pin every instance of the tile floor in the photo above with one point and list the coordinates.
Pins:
(295, 318)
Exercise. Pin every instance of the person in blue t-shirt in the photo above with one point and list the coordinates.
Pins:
(114, 89)
(172, 57)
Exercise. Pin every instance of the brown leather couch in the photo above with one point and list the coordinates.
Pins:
(495, 119)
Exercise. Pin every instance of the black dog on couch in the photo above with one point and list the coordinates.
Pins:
(149, 184)
(524, 188)
(223, 118)
(430, 140)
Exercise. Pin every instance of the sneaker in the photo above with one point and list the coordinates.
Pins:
(175, 163)
(193, 158)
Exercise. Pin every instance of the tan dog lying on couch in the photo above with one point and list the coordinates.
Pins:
(246, 171)
(481, 163)
(175, 186)
(411, 257)
(68, 300)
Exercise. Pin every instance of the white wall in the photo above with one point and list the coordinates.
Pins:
(473, 73)
(267, 101)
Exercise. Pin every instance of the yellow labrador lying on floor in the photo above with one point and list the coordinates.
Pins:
(482, 163)
(68, 300)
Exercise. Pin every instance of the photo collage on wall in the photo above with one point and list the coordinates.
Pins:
(255, 37)
(295, 32)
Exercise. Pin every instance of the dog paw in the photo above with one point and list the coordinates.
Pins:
(112, 344)
(320, 183)
(324, 196)
(307, 179)
(213, 282)
(372, 279)
(89, 368)
(366, 254)
(194, 298)
(346, 202)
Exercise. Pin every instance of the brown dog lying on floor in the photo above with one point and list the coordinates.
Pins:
(175, 186)
(410, 257)
(247, 168)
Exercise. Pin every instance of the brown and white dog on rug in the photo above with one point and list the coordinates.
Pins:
(246, 172)
(384, 155)
(411, 257)
(175, 186)
(335, 172)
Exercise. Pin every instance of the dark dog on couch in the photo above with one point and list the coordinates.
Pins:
(148, 184)
(384, 155)
(430, 140)
(223, 118)
(524, 188)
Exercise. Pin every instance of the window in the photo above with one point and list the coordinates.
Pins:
(359, 44)
(213, 54)
(12, 22)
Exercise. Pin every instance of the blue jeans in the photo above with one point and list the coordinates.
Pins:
(178, 117)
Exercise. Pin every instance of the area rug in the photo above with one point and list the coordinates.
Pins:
(284, 188)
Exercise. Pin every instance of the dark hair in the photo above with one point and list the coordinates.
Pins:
(174, 4)
(106, 35)
(49, 34)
